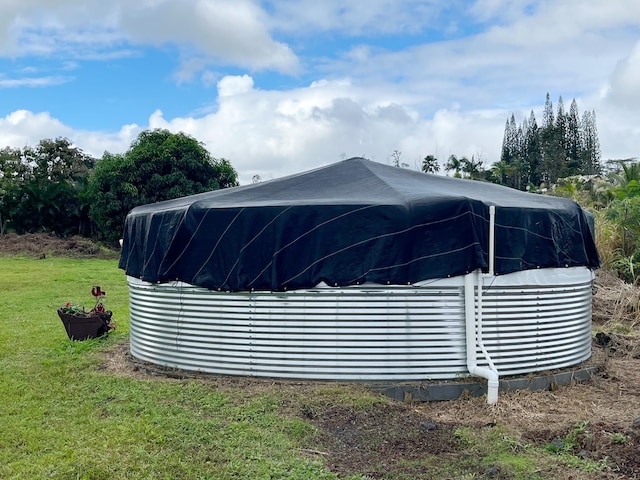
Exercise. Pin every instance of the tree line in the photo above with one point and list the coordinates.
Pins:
(56, 187)
(533, 156)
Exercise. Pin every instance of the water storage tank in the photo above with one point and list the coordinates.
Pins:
(532, 320)
(361, 271)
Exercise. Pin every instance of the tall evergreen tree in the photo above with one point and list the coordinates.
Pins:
(590, 158)
(573, 139)
(547, 115)
(510, 140)
(564, 145)
(532, 152)
(560, 141)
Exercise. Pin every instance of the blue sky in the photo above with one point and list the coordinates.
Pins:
(278, 87)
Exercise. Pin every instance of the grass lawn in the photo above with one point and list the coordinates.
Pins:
(62, 416)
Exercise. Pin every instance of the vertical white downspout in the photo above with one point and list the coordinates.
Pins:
(473, 332)
(474, 338)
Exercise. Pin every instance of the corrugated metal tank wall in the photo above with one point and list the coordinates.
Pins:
(532, 321)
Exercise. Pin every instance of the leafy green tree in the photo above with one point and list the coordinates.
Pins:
(430, 164)
(51, 193)
(13, 175)
(159, 165)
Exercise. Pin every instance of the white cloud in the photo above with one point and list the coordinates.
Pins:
(24, 128)
(231, 32)
(230, 85)
(32, 81)
(622, 88)
(356, 17)
(273, 133)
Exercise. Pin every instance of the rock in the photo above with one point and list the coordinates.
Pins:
(428, 425)
(492, 472)
(602, 339)
(583, 454)
(557, 444)
(636, 423)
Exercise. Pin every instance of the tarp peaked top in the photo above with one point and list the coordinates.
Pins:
(352, 222)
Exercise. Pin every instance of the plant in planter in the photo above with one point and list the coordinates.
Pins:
(80, 324)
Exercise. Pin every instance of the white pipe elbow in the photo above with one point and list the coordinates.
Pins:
(492, 381)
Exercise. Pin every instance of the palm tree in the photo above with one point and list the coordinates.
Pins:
(430, 164)
(629, 173)
(453, 164)
(501, 172)
(473, 167)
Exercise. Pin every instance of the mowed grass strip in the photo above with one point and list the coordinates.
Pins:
(63, 416)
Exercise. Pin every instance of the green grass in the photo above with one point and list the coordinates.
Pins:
(63, 416)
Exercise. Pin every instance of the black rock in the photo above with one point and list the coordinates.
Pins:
(583, 454)
(492, 472)
(602, 339)
(557, 443)
(428, 425)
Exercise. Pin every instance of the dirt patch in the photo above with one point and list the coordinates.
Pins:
(42, 245)
(381, 439)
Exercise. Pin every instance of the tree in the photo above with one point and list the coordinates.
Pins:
(52, 194)
(13, 175)
(508, 140)
(590, 155)
(547, 115)
(563, 146)
(472, 168)
(560, 141)
(453, 163)
(573, 139)
(395, 155)
(158, 166)
(532, 150)
(500, 172)
(430, 164)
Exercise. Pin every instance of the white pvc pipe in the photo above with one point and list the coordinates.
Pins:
(474, 338)
(492, 238)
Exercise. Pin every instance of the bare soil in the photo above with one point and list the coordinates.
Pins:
(400, 440)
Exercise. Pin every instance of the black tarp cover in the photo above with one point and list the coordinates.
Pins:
(351, 222)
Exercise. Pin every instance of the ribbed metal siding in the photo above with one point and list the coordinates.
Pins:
(529, 329)
(366, 333)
